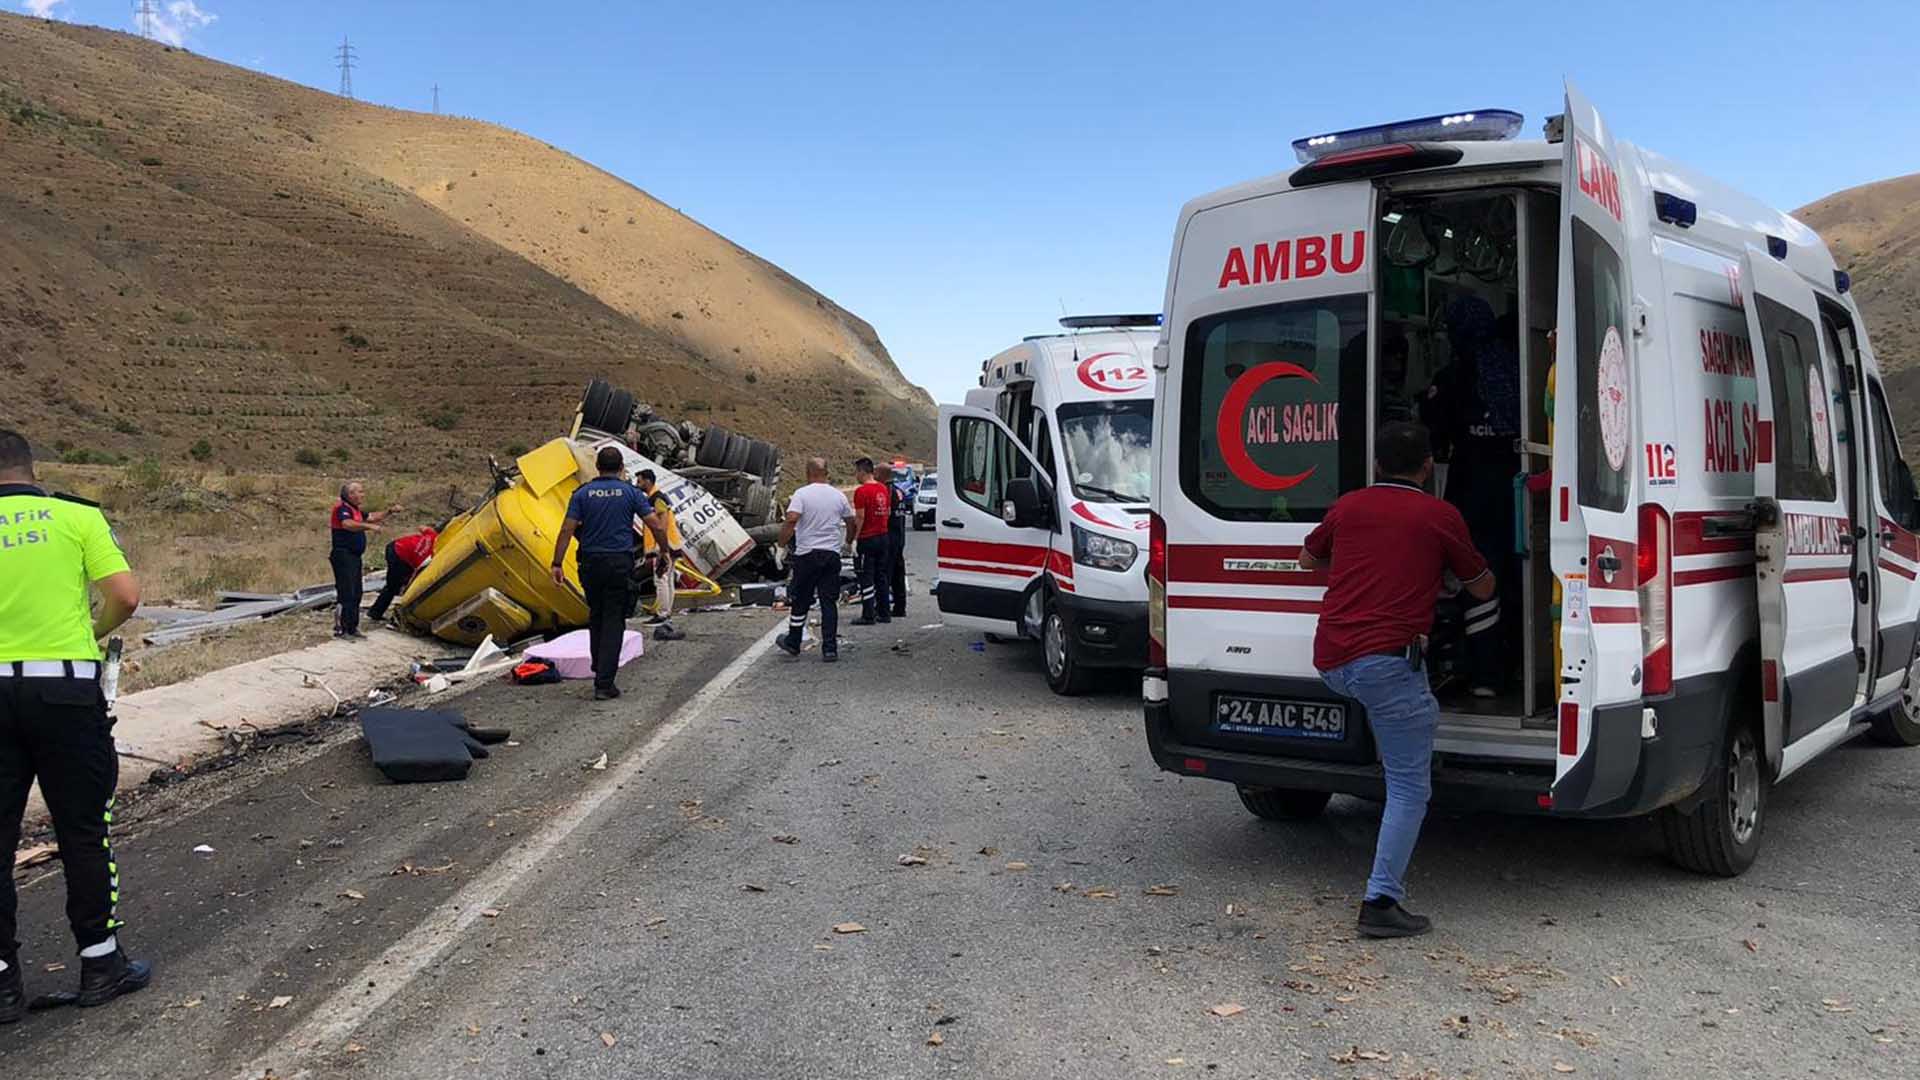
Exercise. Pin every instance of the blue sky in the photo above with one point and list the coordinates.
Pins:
(956, 178)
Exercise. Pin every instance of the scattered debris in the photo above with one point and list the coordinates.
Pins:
(356, 1048)
(54, 968)
(1018, 866)
(1353, 1055)
(935, 1039)
(1752, 945)
(490, 913)
(203, 849)
(352, 894)
(912, 860)
(280, 1002)
(409, 869)
(786, 838)
(607, 1039)
(1836, 1005)
(1562, 1067)
(1162, 890)
(598, 764)
(849, 928)
(1230, 1008)
(34, 856)
(748, 886)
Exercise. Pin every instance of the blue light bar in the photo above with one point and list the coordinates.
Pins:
(1483, 125)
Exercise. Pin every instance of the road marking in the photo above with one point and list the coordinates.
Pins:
(326, 1028)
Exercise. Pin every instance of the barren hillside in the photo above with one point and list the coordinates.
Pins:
(190, 251)
(1874, 231)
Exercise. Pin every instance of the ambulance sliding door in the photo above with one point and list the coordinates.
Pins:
(1593, 518)
(1805, 533)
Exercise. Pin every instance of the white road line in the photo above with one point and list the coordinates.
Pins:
(326, 1028)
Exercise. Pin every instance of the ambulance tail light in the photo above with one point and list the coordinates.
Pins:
(1655, 578)
(1156, 591)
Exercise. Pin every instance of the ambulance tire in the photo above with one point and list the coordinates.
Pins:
(1282, 804)
(1065, 675)
(1900, 725)
(1720, 834)
(713, 447)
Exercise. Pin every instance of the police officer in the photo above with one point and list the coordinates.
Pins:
(53, 716)
(602, 512)
(348, 524)
(903, 490)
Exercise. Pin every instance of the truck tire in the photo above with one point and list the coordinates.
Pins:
(1282, 804)
(1900, 725)
(738, 449)
(761, 457)
(1065, 675)
(1720, 834)
(605, 407)
(757, 507)
(713, 447)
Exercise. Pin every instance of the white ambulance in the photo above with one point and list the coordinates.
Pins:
(1712, 531)
(1043, 485)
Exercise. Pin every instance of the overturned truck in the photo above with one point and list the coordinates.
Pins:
(489, 572)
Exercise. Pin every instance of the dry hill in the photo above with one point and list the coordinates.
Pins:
(190, 250)
(1874, 231)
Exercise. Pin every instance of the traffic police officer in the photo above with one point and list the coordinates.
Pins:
(53, 715)
(602, 511)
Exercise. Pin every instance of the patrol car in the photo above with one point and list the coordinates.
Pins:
(1042, 496)
(1713, 526)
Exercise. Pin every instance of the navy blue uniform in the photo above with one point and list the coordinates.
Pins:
(903, 493)
(606, 508)
(344, 557)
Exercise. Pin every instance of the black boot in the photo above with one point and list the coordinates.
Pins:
(1382, 917)
(103, 978)
(13, 992)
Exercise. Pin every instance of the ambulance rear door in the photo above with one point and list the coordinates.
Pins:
(1594, 524)
(1805, 535)
(987, 565)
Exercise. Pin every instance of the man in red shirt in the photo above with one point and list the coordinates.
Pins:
(1388, 549)
(872, 505)
(405, 556)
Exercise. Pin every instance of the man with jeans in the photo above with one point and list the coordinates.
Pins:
(819, 523)
(602, 511)
(1388, 548)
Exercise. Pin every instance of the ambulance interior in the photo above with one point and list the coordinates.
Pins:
(1467, 292)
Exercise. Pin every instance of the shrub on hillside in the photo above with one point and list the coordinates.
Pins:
(200, 451)
(307, 456)
(444, 417)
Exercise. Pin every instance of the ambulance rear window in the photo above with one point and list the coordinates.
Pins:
(1604, 392)
(1265, 393)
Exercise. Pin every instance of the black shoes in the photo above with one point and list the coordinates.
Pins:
(605, 693)
(666, 632)
(103, 978)
(1382, 917)
(787, 644)
(13, 992)
(830, 655)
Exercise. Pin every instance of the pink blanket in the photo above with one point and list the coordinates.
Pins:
(572, 654)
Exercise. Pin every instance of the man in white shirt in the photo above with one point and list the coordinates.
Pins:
(820, 522)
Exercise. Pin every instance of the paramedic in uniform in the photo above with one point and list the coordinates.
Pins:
(1387, 549)
(873, 510)
(602, 512)
(820, 522)
(53, 716)
(664, 560)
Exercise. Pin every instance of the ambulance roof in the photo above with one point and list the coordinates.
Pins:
(1087, 365)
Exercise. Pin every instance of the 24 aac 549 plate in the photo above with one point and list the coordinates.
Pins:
(1318, 720)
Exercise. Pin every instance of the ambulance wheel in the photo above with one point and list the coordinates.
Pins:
(1064, 673)
(1282, 804)
(1900, 725)
(1720, 834)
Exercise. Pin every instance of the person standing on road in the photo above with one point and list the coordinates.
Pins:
(664, 558)
(602, 512)
(872, 510)
(900, 485)
(820, 522)
(405, 556)
(349, 524)
(1388, 549)
(54, 723)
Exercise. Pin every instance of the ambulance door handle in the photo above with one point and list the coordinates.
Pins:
(954, 523)
(1887, 538)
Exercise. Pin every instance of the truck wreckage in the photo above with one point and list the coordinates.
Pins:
(489, 572)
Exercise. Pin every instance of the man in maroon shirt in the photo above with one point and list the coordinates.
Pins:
(1388, 549)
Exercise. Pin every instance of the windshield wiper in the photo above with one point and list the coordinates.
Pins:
(1109, 493)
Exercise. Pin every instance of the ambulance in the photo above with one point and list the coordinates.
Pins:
(1043, 482)
(1709, 528)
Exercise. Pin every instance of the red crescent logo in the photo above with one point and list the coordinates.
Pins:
(1085, 372)
(1229, 430)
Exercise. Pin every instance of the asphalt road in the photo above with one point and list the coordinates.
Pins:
(1076, 912)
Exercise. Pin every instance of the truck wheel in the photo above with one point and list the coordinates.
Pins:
(760, 458)
(1064, 673)
(1900, 725)
(757, 506)
(713, 447)
(605, 407)
(1282, 804)
(1720, 835)
(738, 448)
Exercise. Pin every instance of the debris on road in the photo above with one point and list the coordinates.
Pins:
(1162, 890)
(598, 764)
(849, 928)
(34, 856)
(607, 1039)
(785, 838)
(912, 860)
(280, 1002)
(1231, 1008)
(203, 849)
(748, 886)
(1353, 1055)
(936, 1039)
(352, 894)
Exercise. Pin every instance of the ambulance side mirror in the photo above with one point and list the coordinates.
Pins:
(1023, 508)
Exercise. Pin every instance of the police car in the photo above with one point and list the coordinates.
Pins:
(926, 502)
(1712, 529)
(1043, 487)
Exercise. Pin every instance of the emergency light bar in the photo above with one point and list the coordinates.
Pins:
(1089, 322)
(1484, 125)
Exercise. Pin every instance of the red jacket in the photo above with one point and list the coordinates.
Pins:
(416, 548)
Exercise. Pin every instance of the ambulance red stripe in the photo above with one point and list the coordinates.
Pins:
(986, 568)
(1690, 533)
(1818, 573)
(1709, 575)
(1613, 614)
(1894, 567)
(988, 551)
(1246, 603)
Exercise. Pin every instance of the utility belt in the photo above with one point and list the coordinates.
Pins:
(51, 669)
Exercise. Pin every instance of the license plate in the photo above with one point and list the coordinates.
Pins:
(1286, 719)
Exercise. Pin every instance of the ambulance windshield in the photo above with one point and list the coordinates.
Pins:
(1109, 449)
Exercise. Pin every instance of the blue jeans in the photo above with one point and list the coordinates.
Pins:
(1401, 709)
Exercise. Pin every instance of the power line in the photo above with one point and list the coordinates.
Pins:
(346, 56)
(144, 16)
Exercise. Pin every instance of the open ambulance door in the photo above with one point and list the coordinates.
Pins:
(1805, 533)
(987, 565)
(1594, 523)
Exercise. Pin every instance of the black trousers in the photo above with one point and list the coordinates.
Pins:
(876, 576)
(607, 579)
(816, 575)
(897, 539)
(58, 730)
(347, 590)
(399, 574)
